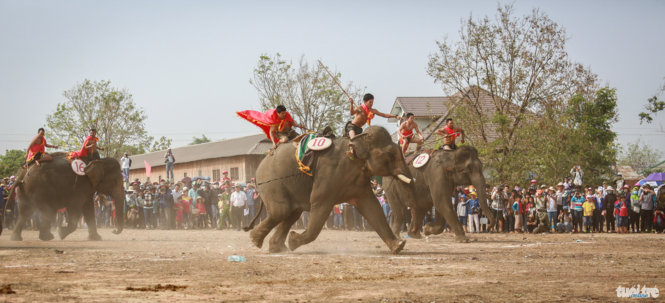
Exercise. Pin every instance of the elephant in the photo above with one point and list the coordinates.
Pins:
(53, 185)
(434, 185)
(337, 178)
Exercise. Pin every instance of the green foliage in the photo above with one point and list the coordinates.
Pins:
(95, 104)
(511, 82)
(640, 156)
(11, 162)
(164, 143)
(307, 91)
(653, 107)
(203, 139)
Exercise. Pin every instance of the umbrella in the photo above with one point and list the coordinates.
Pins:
(656, 177)
(652, 183)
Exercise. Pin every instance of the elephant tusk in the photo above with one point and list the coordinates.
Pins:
(404, 178)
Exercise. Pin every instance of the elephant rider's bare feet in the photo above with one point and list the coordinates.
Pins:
(396, 249)
(37, 163)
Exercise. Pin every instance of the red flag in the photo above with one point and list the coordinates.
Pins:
(148, 168)
(265, 120)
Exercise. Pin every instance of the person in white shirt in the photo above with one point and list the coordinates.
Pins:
(125, 163)
(239, 203)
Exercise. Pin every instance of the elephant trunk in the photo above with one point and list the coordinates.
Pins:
(479, 182)
(119, 200)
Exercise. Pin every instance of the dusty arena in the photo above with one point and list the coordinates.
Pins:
(340, 266)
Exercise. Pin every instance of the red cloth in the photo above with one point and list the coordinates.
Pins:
(34, 149)
(368, 113)
(83, 152)
(450, 132)
(266, 120)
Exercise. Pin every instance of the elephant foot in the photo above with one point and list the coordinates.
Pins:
(63, 233)
(46, 236)
(16, 237)
(94, 237)
(432, 230)
(461, 239)
(277, 248)
(415, 235)
(256, 239)
(293, 240)
(397, 247)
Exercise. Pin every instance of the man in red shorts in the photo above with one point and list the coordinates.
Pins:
(449, 133)
(406, 134)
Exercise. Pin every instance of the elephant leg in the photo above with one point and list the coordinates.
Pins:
(317, 218)
(278, 239)
(370, 208)
(45, 221)
(24, 214)
(437, 227)
(73, 217)
(259, 233)
(397, 218)
(417, 217)
(443, 201)
(89, 217)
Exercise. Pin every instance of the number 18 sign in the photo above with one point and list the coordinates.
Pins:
(421, 160)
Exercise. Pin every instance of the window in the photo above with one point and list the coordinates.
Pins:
(185, 175)
(215, 175)
(234, 174)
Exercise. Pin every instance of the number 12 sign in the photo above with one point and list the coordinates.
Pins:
(421, 160)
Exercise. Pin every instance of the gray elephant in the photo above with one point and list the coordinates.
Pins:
(53, 185)
(434, 185)
(336, 178)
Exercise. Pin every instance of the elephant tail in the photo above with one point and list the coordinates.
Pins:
(251, 224)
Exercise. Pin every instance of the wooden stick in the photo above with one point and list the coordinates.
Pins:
(331, 76)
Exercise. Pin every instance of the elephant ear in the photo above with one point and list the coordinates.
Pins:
(463, 158)
(361, 146)
(95, 172)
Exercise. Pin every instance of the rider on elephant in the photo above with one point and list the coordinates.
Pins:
(362, 114)
(449, 133)
(37, 149)
(89, 149)
(276, 123)
(406, 134)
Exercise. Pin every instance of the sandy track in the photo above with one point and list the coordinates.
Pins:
(339, 266)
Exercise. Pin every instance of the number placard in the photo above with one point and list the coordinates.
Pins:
(421, 160)
(319, 143)
(78, 167)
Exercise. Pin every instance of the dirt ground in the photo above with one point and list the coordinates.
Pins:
(340, 266)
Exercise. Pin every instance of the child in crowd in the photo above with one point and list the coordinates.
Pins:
(518, 210)
(178, 213)
(202, 214)
(186, 201)
(588, 207)
(621, 213)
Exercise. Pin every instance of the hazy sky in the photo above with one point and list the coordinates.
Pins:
(188, 63)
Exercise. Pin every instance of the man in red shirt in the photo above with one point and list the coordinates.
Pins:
(406, 134)
(276, 123)
(37, 149)
(449, 133)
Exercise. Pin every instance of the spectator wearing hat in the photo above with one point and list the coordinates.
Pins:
(473, 207)
(462, 211)
(646, 208)
(169, 160)
(621, 212)
(239, 204)
(499, 198)
(560, 198)
(588, 206)
(609, 201)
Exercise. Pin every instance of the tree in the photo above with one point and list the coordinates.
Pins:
(11, 162)
(640, 156)
(508, 78)
(95, 104)
(308, 92)
(653, 107)
(161, 144)
(203, 139)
